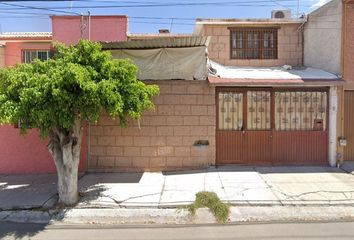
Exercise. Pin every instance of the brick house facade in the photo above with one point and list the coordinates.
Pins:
(185, 113)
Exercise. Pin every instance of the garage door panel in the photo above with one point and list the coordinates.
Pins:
(299, 148)
(257, 150)
(229, 147)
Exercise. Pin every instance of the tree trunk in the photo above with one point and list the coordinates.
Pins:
(65, 147)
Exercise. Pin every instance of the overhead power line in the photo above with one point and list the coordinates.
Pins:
(38, 8)
(172, 4)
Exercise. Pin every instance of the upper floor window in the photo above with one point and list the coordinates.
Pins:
(29, 56)
(252, 43)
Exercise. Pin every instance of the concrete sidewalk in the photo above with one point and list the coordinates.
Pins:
(260, 186)
(256, 193)
(246, 186)
(33, 191)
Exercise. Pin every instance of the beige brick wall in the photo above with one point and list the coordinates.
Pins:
(289, 47)
(185, 113)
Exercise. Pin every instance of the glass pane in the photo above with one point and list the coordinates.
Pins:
(258, 110)
(240, 40)
(43, 55)
(234, 40)
(28, 56)
(230, 111)
(33, 55)
(266, 40)
(255, 43)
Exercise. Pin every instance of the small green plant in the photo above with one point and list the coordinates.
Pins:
(210, 200)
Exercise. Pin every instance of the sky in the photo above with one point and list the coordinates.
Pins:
(145, 16)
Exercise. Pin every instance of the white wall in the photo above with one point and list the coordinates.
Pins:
(322, 38)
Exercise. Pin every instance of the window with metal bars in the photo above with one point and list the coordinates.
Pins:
(252, 43)
(29, 56)
(300, 111)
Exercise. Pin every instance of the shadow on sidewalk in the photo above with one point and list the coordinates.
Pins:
(18, 192)
(20, 230)
(260, 169)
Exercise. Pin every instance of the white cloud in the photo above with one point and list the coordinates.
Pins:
(319, 3)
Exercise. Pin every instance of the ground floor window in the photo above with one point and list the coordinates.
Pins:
(29, 56)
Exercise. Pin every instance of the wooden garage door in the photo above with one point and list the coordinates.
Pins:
(349, 124)
(271, 127)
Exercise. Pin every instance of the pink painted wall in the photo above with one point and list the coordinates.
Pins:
(13, 50)
(66, 29)
(28, 153)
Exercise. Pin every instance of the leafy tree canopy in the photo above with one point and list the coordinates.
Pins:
(77, 84)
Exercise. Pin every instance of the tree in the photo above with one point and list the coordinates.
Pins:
(59, 95)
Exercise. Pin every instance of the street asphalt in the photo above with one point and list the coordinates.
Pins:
(271, 231)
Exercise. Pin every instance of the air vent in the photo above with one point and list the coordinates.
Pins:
(281, 14)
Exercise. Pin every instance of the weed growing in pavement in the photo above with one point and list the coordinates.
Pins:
(210, 200)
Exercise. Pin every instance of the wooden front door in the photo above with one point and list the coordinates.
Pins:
(271, 127)
(348, 125)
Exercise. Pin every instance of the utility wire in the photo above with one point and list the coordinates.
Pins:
(39, 8)
(227, 3)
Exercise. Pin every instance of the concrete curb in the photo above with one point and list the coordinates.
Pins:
(151, 216)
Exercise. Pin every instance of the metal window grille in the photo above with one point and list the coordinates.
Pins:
(230, 111)
(300, 111)
(258, 110)
(251, 43)
(29, 56)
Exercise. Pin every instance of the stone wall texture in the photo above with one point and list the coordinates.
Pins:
(289, 47)
(185, 113)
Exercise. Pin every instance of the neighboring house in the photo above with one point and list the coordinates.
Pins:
(329, 44)
(29, 154)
